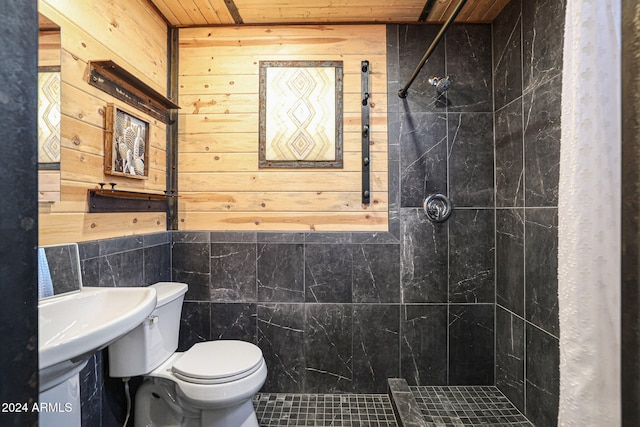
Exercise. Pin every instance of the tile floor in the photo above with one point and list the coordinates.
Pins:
(450, 406)
(335, 410)
(467, 406)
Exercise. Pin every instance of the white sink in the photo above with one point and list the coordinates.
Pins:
(73, 327)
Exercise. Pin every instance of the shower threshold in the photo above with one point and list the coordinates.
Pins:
(452, 406)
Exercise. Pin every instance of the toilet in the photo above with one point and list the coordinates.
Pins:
(209, 385)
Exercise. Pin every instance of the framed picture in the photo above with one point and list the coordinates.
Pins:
(126, 144)
(301, 119)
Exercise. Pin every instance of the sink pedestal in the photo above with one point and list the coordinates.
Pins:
(71, 328)
(60, 405)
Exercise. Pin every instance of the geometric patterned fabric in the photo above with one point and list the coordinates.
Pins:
(300, 114)
(49, 117)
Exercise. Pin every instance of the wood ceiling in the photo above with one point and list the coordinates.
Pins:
(191, 13)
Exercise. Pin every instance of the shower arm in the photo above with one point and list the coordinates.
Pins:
(402, 93)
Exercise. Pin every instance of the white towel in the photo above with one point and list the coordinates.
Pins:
(45, 284)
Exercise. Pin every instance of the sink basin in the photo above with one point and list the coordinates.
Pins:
(73, 327)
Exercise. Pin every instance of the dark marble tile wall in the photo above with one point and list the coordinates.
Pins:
(342, 312)
(327, 310)
(121, 262)
(445, 145)
(19, 211)
(630, 266)
(527, 67)
(323, 307)
(126, 261)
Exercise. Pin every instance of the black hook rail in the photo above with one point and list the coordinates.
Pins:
(402, 93)
(366, 135)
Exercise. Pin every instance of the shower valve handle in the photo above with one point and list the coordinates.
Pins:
(437, 208)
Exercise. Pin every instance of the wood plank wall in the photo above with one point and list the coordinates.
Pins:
(132, 34)
(220, 184)
(49, 48)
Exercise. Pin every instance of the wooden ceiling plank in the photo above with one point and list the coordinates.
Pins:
(166, 11)
(329, 3)
(208, 12)
(177, 15)
(450, 8)
(189, 13)
(439, 10)
(194, 12)
(472, 12)
(328, 14)
(494, 10)
(479, 11)
(233, 10)
(221, 11)
(468, 10)
(428, 6)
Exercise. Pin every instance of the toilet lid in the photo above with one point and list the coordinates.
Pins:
(215, 362)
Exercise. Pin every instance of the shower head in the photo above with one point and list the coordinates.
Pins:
(441, 83)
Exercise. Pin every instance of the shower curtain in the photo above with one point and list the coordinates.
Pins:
(589, 216)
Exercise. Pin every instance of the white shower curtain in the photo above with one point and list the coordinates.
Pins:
(589, 216)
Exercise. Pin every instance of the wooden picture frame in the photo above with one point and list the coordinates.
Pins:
(301, 114)
(126, 144)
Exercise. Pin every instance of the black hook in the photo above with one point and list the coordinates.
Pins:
(366, 98)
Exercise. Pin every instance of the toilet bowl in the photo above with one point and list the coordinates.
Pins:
(211, 384)
(193, 391)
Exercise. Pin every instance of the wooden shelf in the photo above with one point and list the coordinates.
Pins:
(125, 201)
(121, 84)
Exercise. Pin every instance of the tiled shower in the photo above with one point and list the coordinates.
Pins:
(471, 301)
(527, 52)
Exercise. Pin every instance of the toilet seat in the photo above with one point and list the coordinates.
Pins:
(227, 392)
(218, 362)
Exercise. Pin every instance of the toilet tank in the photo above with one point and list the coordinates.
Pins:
(152, 342)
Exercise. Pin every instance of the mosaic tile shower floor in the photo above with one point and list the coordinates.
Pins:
(439, 406)
(467, 406)
(335, 410)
